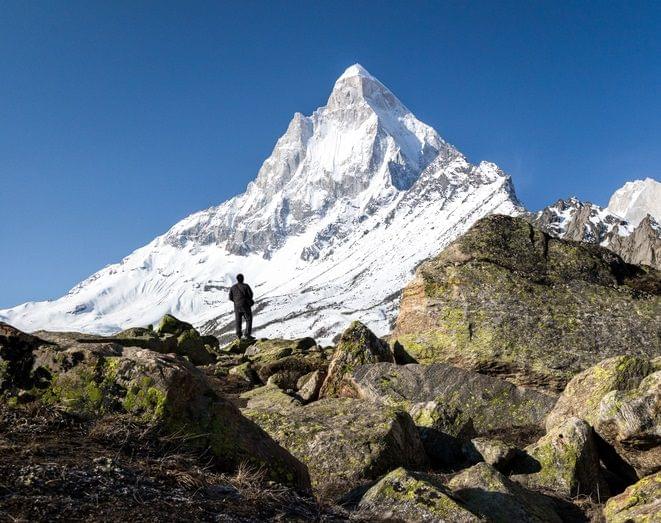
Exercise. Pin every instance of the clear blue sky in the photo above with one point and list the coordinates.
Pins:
(119, 118)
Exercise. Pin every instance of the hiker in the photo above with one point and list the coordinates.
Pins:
(241, 295)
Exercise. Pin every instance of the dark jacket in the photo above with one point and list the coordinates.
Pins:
(241, 295)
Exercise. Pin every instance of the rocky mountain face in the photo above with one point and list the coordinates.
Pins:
(637, 241)
(637, 199)
(350, 201)
(510, 300)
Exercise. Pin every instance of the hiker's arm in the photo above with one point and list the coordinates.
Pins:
(231, 295)
(249, 291)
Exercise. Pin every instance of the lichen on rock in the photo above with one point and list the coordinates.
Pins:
(343, 441)
(639, 503)
(487, 492)
(357, 345)
(404, 495)
(566, 461)
(507, 299)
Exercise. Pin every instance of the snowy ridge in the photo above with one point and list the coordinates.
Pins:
(636, 199)
(351, 200)
(638, 243)
(575, 220)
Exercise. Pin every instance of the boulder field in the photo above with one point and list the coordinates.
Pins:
(521, 383)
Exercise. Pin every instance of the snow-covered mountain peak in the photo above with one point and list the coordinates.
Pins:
(355, 70)
(351, 199)
(636, 199)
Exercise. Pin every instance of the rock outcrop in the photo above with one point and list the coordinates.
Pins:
(637, 242)
(403, 495)
(508, 299)
(621, 398)
(91, 380)
(490, 403)
(642, 246)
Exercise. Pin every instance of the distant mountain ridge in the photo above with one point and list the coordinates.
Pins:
(637, 241)
(351, 200)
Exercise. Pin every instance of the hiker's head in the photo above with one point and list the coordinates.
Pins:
(239, 278)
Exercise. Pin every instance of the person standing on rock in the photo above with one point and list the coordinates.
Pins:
(241, 295)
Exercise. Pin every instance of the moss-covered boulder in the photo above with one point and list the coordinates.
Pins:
(565, 461)
(171, 325)
(491, 451)
(490, 494)
(286, 371)
(358, 345)
(404, 495)
(238, 346)
(631, 421)
(507, 299)
(442, 430)
(621, 398)
(490, 403)
(264, 351)
(583, 394)
(343, 441)
(98, 379)
(268, 398)
(309, 385)
(245, 371)
(639, 503)
(282, 362)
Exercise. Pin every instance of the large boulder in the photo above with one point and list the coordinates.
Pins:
(621, 398)
(639, 503)
(490, 403)
(358, 345)
(565, 461)
(343, 441)
(631, 421)
(96, 379)
(403, 495)
(507, 299)
(487, 492)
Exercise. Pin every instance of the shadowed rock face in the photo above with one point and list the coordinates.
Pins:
(508, 299)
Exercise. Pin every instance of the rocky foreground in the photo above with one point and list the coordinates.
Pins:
(522, 383)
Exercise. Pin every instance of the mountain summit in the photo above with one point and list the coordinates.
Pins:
(363, 142)
(350, 201)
